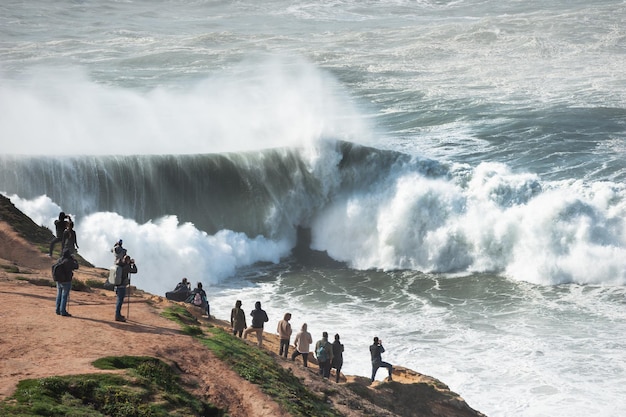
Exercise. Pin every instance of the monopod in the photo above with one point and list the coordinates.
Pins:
(128, 298)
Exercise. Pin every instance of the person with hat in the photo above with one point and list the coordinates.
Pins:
(119, 251)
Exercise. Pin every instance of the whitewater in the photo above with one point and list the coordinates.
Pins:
(447, 176)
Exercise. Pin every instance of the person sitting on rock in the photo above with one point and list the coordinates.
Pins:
(183, 286)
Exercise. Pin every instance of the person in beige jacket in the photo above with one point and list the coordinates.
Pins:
(284, 333)
(302, 342)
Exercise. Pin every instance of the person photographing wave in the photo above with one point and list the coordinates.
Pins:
(128, 267)
(376, 349)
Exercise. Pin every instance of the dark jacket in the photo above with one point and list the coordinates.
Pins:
(60, 226)
(69, 240)
(337, 354)
(66, 268)
(375, 351)
(259, 317)
(126, 270)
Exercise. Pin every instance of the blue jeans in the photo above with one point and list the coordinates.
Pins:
(121, 293)
(63, 293)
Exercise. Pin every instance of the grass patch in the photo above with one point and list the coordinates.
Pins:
(40, 282)
(77, 285)
(94, 283)
(258, 367)
(188, 323)
(148, 388)
(12, 269)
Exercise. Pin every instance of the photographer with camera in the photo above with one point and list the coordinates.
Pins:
(60, 225)
(128, 267)
(375, 351)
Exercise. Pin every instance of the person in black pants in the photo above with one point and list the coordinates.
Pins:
(375, 350)
(60, 225)
(337, 361)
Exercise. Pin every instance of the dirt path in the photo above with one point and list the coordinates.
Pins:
(35, 342)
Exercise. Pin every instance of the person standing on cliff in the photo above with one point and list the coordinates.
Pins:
(62, 273)
(118, 251)
(237, 319)
(69, 241)
(302, 342)
(60, 225)
(259, 318)
(337, 361)
(324, 355)
(128, 267)
(375, 351)
(284, 334)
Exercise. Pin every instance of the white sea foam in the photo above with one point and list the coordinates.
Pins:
(279, 104)
(164, 250)
(487, 220)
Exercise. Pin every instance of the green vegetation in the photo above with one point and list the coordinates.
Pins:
(258, 367)
(41, 282)
(148, 388)
(188, 323)
(77, 285)
(38, 235)
(93, 283)
(12, 269)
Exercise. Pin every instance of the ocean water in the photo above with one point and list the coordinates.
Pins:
(445, 175)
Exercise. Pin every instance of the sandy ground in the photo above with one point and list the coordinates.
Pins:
(35, 342)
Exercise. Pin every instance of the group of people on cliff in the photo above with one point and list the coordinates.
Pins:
(196, 297)
(65, 233)
(63, 269)
(328, 355)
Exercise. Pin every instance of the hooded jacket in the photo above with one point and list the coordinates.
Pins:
(259, 316)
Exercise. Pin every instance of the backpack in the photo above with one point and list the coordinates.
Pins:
(197, 299)
(322, 353)
(115, 275)
(57, 273)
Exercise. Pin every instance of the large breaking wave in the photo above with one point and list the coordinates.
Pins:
(366, 207)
